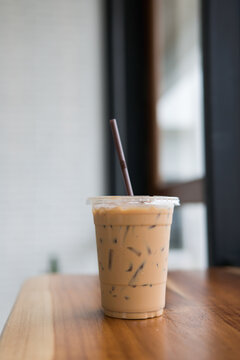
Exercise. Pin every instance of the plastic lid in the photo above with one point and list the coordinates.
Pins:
(111, 201)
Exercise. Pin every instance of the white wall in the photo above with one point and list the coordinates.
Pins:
(51, 137)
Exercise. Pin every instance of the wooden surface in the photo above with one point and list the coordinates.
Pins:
(59, 317)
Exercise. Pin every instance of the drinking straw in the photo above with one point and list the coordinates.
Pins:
(121, 156)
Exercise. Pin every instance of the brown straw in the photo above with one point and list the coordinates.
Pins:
(121, 156)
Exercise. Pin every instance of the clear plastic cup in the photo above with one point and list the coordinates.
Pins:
(132, 234)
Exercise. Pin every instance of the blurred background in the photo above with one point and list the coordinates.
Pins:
(168, 70)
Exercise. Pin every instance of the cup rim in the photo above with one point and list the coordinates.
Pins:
(144, 200)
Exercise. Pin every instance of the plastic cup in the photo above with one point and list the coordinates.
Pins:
(132, 234)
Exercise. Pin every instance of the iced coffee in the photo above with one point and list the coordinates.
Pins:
(132, 236)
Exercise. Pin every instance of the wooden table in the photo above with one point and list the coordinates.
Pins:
(59, 317)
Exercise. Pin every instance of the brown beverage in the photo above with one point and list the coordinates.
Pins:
(132, 236)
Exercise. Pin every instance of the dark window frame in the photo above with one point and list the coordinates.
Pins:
(221, 54)
(131, 99)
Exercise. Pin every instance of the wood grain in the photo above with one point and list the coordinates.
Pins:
(59, 317)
